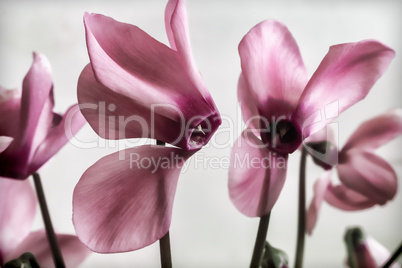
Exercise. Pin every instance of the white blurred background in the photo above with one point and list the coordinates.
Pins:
(206, 230)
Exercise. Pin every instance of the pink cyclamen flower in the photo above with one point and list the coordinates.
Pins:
(366, 179)
(282, 106)
(137, 87)
(364, 251)
(30, 132)
(17, 211)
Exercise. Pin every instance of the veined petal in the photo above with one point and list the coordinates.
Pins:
(344, 198)
(179, 38)
(128, 61)
(273, 68)
(17, 212)
(320, 187)
(124, 201)
(72, 249)
(256, 176)
(376, 132)
(113, 115)
(59, 134)
(344, 77)
(36, 89)
(369, 175)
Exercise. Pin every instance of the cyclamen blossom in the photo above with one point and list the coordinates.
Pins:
(366, 179)
(17, 211)
(282, 106)
(138, 87)
(30, 132)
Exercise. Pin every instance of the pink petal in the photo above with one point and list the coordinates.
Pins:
(320, 187)
(344, 77)
(135, 66)
(36, 89)
(369, 175)
(379, 253)
(5, 142)
(376, 132)
(179, 39)
(124, 201)
(17, 212)
(10, 103)
(272, 68)
(346, 199)
(58, 136)
(73, 251)
(256, 176)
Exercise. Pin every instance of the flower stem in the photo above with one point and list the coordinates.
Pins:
(302, 211)
(394, 256)
(51, 237)
(260, 241)
(164, 242)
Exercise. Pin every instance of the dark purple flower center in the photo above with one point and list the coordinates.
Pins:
(282, 136)
(202, 131)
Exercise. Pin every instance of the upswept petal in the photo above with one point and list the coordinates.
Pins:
(124, 201)
(369, 175)
(376, 131)
(179, 38)
(128, 61)
(320, 187)
(341, 197)
(58, 135)
(113, 115)
(5, 142)
(273, 68)
(73, 251)
(17, 212)
(256, 176)
(10, 103)
(344, 77)
(36, 91)
(379, 252)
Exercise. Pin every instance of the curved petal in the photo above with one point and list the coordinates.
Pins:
(179, 39)
(17, 212)
(10, 104)
(36, 91)
(369, 175)
(128, 61)
(124, 201)
(59, 134)
(341, 197)
(273, 68)
(73, 251)
(320, 187)
(344, 77)
(5, 142)
(256, 176)
(116, 116)
(379, 253)
(376, 132)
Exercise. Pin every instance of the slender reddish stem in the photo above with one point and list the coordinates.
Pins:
(260, 241)
(51, 236)
(164, 242)
(302, 211)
